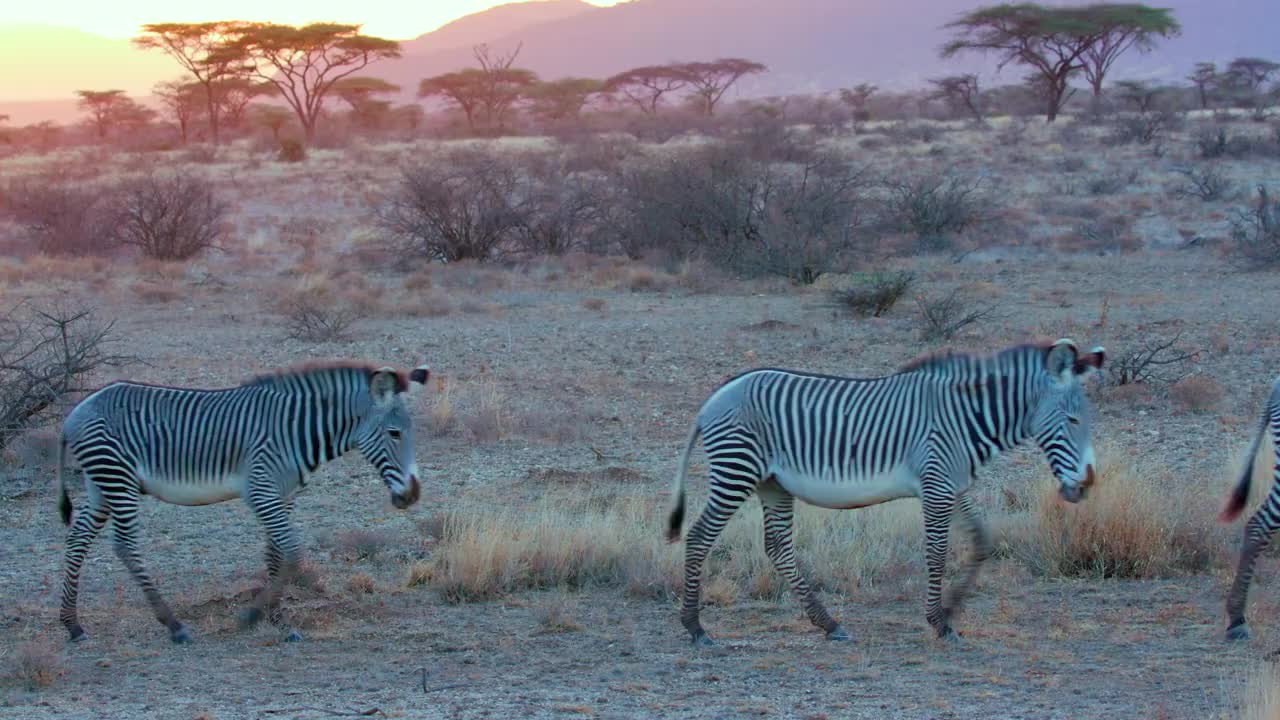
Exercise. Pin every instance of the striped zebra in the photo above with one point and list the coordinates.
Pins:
(259, 441)
(1262, 525)
(847, 443)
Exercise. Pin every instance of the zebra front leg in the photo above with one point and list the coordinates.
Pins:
(282, 561)
(982, 550)
(937, 525)
(124, 516)
(1257, 535)
(724, 501)
(88, 523)
(779, 508)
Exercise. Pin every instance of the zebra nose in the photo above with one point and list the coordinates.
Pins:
(409, 496)
(1089, 477)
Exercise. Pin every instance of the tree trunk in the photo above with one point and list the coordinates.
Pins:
(212, 108)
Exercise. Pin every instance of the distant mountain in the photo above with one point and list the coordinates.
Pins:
(39, 62)
(807, 44)
(495, 22)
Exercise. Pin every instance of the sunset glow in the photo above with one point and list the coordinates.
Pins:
(386, 18)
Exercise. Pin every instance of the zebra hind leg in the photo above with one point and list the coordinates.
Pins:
(726, 497)
(124, 515)
(937, 525)
(778, 507)
(1257, 535)
(89, 521)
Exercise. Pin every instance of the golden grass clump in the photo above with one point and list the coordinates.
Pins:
(35, 664)
(1139, 521)
(1259, 699)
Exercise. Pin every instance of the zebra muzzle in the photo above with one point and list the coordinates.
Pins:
(408, 497)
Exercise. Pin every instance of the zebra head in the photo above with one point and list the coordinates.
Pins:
(385, 433)
(1060, 423)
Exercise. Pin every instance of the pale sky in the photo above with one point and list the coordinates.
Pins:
(395, 19)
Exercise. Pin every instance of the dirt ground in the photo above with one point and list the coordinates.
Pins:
(628, 366)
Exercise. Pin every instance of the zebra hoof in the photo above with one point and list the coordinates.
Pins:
(293, 636)
(250, 617)
(180, 635)
(837, 634)
(77, 635)
(1239, 631)
(702, 639)
(949, 637)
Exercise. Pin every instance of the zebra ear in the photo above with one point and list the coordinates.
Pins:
(1086, 364)
(384, 383)
(418, 378)
(1060, 360)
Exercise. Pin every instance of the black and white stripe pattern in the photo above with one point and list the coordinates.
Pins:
(845, 443)
(1264, 522)
(259, 441)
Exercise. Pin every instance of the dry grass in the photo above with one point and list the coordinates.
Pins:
(570, 540)
(557, 614)
(361, 584)
(1197, 394)
(35, 664)
(361, 544)
(1259, 699)
(1139, 521)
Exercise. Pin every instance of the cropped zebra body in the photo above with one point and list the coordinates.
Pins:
(1264, 522)
(847, 443)
(259, 442)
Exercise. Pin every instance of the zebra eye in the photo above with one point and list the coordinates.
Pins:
(394, 433)
(1073, 419)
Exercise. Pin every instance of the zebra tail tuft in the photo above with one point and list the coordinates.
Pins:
(64, 500)
(1239, 496)
(675, 521)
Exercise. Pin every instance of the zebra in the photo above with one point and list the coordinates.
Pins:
(1262, 525)
(846, 443)
(259, 441)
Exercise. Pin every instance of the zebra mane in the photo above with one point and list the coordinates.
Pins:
(322, 368)
(950, 359)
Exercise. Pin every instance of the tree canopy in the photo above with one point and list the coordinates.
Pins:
(198, 48)
(646, 85)
(710, 80)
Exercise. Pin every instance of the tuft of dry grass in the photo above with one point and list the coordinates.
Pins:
(557, 615)
(361, 584)
(1139, 521)
(36, 664)
(1259, 698)
(595, 304)
(159, 292)
(361, 544)
(1197, 394)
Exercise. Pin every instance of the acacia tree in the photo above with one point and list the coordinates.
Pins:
(199, 49)
(710, 80)
(234, 95)
(1204, 77)
(271, 117)
(462, 88)
(109, 108)
(961, 93)
(182, 101)
(646, 85)
(361, 94)
(563, 99)
(304, 62)
(1051, 41)
(486, 93)
(1141, 95)
(1123, 26)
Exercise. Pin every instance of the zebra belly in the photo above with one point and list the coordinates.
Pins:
(185, 491)
(828, 491)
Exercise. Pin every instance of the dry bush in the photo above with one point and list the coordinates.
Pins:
(873, 294)
(487, 421)
(291, 151)
(1142, 128)
(361, 544)
(35, 664)
(1138, 521)
(43, 356)
(305, 233)
(1208, 183)
(557, 615)
(943, 318)
(315, 312)
(155, 292)
(1110, 182)
(1109, 233)
(1197, 394)
(458, 206)
(557, 209)
(1158, 361)
(1256, 232)
(170, 217)
(935, 206)
(443, 417)
(361, 584)
(573, 539)
(595, 304)
(59, 217)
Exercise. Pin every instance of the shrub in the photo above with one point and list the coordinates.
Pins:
(314, 314)
(1110, 182)
(934, 206)
(1143, 128)
(558, 211)
(873, 294)
(291, 151)
(1157, 361)
(35, 665)
(1208, 184)
(1136, 522)
(1111, 233)
(1256, 232)
(170, 218)
(943, 318)
(61, 218)
(458, 206)
(1197, 394)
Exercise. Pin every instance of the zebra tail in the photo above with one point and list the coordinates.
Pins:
(676, 519)
(1240, 493)
(64, 500)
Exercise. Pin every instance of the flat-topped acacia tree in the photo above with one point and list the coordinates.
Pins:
(1058, 41)
(198, 48)
(303, 62)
